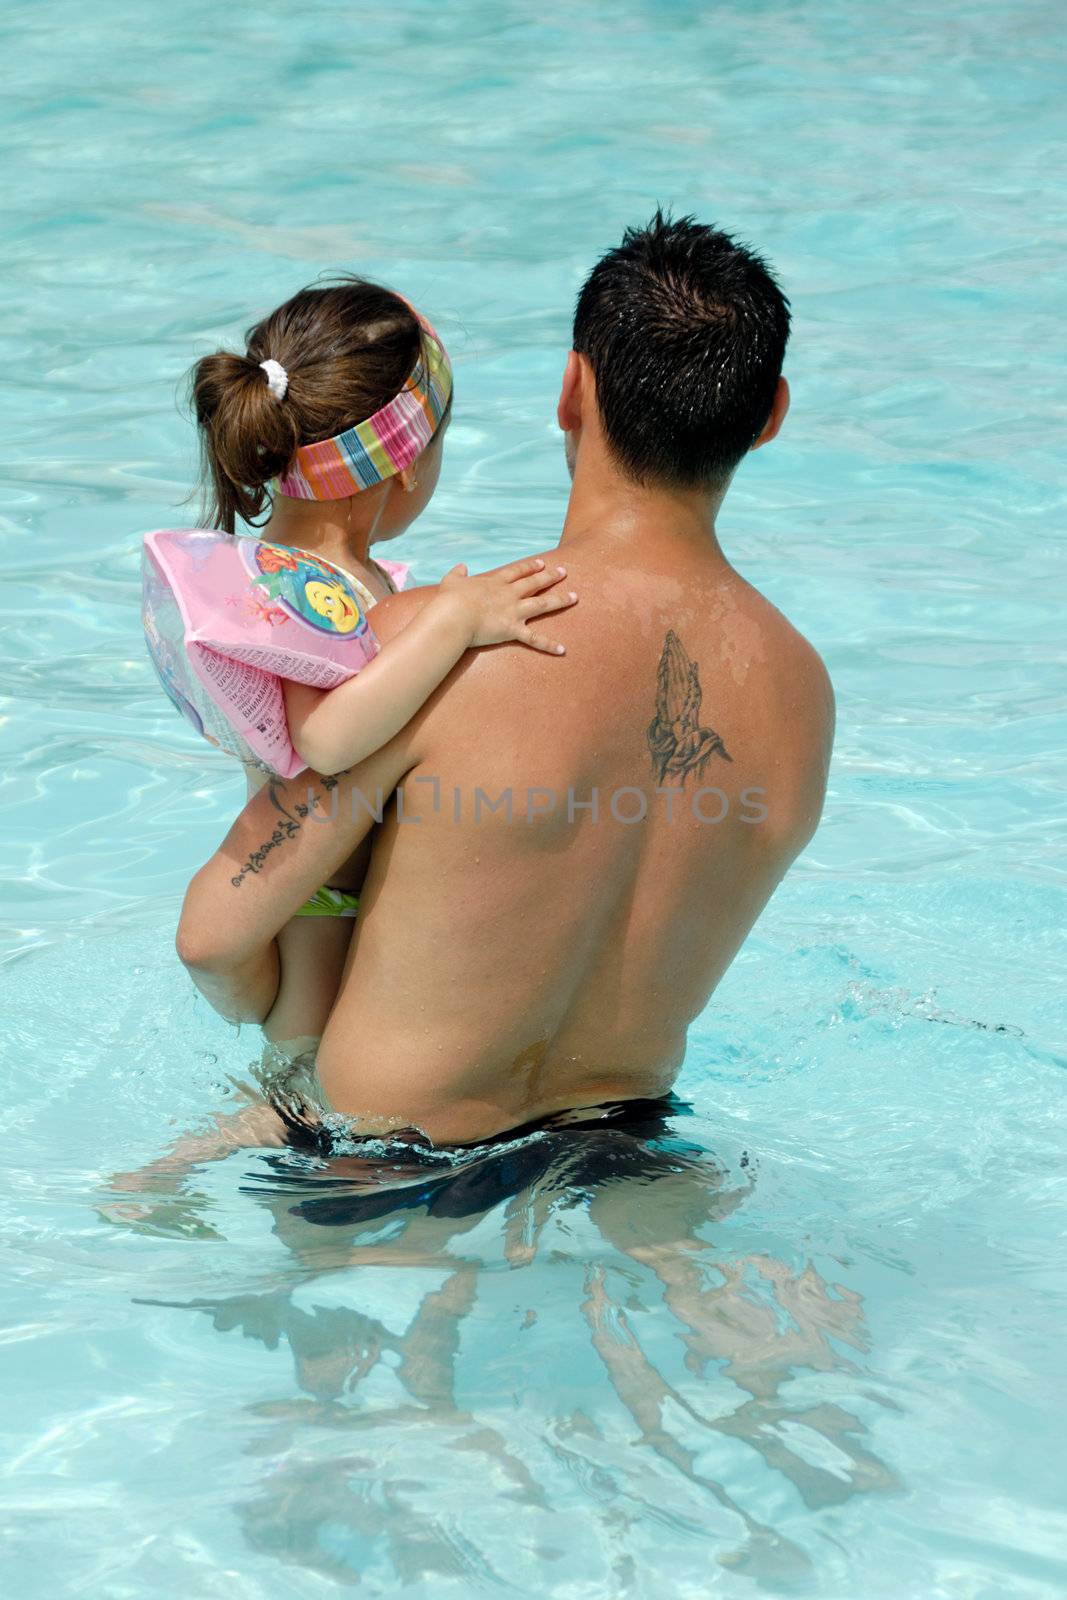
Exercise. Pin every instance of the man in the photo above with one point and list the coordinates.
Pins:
(576, 847)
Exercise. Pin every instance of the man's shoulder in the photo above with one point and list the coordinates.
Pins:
(796, 717)
(392, 615)
(434, 719)
(808, 674)
(794, 663)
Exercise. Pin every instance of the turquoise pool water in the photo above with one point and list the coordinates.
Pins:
(848, 1382)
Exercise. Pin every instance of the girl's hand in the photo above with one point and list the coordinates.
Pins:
(500, 605)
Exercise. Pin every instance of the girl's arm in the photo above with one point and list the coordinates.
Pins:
(332, 729)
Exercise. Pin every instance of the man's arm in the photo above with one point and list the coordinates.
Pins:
(288, 841)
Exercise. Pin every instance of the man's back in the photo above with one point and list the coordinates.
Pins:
(586, 842)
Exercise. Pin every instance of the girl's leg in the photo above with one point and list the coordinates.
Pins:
(313, 951)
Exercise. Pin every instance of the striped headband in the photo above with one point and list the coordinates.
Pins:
(386, 443)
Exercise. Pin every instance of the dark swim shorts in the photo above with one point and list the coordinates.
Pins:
(575, 1150)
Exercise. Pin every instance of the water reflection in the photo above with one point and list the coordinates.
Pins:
(557, 1335)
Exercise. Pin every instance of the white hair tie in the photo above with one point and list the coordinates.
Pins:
(277, 378)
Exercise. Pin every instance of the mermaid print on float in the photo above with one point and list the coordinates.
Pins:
(304, 587)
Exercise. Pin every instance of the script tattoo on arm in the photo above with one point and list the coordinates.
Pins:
(677, 743)
(285, 830)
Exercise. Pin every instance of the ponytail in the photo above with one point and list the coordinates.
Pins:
(247, 437)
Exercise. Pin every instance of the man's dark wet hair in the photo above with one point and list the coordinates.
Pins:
(685, 330)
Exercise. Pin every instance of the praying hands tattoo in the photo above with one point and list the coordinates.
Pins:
(677, 743)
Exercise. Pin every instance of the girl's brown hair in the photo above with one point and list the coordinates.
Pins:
(348, 348)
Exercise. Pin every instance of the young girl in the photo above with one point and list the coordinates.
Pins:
(334, 418)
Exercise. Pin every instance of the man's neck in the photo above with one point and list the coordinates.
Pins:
(608, 507)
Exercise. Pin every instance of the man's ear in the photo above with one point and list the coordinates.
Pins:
(569, 410)
(777, 416)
